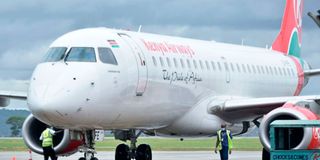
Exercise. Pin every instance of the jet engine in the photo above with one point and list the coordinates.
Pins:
(65, 143)
(304, 138)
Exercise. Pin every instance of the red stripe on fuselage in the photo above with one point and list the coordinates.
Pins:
(300, 76)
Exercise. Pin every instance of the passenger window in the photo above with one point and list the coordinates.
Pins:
(244, 68)
(213, 65)
(207, 64)
(284, 72)
(81, 54)
(262, 69)
(161, 62)
(195, 64)
(201, 64)
(289, 73)
(267, 69)
(275, 71)
(254, 69)
(182, 63)
(106, 56)
(258, 68)
(226, 66)
(270, 69)
(175, 62)
(219, 66)
(248, 67)
(168, 62)
(232, 68)
(55, 54)
(280, 72)
(238, 68)
(154, 61)
(189, 64)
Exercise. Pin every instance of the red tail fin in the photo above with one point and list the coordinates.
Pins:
(289, 39)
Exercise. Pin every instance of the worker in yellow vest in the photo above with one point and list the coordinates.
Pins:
(224, 142)
(47, 144)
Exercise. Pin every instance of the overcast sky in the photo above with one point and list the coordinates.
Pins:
(28, 27)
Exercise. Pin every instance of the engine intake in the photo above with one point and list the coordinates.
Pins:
(65, 143)
(303, 138)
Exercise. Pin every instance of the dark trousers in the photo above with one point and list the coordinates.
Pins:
(224, 155)
(49, 152)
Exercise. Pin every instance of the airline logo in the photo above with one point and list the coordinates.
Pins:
(298, 11)
(315, 156)
(166, 47)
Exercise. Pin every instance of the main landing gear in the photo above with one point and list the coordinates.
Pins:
(124, 152)
(88, 148)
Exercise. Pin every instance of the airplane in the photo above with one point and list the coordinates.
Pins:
(133, 82)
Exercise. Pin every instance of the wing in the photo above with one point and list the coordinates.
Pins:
(247, 109)
(5, 97)
(13, 95)
(12, 89)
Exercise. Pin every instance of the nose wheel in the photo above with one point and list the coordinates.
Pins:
(88, 147)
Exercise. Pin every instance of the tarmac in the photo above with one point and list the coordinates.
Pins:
(157, 155)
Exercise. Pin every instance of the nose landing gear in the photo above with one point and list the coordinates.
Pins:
(88, 147)
(124, 152)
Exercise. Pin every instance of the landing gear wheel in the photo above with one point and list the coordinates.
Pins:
(122, 152)
(82, 158)
(143, 152)
(265, 154)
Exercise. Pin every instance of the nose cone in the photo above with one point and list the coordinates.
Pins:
(58, 92)
(39, 95)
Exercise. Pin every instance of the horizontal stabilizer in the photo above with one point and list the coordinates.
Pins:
(312, 72)
(315, 18)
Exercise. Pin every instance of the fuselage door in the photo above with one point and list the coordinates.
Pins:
(226, 69)
(141, 63)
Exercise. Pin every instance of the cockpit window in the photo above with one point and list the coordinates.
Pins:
(55, 54)
(106, 56)
(81, 54)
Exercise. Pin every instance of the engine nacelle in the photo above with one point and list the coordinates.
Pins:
(305, 138)
(65, 143)
(4, 102)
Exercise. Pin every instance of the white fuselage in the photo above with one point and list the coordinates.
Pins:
(161, 82)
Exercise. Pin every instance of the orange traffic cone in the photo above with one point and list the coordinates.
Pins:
(13, 158)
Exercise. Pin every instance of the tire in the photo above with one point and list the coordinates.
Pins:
(122, 152)
(265, 154)
(144, 152)
(82, 158)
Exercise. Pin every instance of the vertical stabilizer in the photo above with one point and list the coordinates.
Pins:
(289, 39)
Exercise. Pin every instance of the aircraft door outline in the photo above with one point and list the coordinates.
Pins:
(226, 68)
(141, 63)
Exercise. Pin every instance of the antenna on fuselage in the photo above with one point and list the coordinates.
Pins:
(242, 41)
(139, 30)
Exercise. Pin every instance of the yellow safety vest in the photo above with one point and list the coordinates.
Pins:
(47, 138)
(230, 145)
